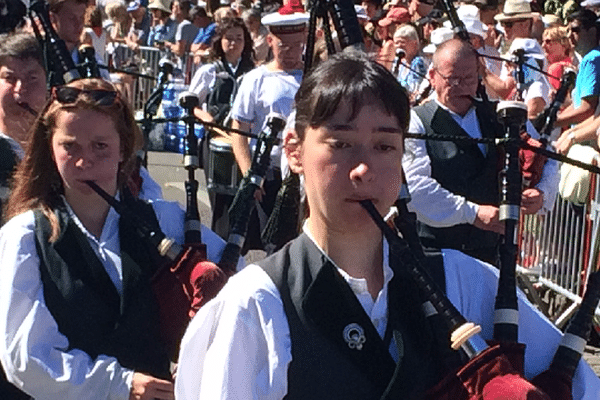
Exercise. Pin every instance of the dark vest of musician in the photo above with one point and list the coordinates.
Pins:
(85, 303)
(336, 351)
(8, 162)
(461, 168)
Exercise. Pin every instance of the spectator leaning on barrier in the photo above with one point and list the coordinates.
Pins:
(121, 21)
(94, 34)
(186, 31)
(140, 27)
(163, 27)
(206, 30)
(583, 32)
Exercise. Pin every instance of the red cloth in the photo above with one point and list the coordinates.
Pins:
(492, 375)
(532, 163)
(182, 289)
(556, 70)
(290, 7)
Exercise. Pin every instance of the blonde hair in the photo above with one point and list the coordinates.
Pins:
(559, 34)
(37, 183)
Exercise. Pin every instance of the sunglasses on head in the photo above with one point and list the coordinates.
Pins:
(69, 95)
(509, 24)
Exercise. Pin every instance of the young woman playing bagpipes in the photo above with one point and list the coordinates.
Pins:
(78, 315)
(332, 315)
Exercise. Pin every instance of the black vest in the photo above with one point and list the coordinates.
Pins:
(319, 305)
(8, 162)
(85, 303)
(461, 168)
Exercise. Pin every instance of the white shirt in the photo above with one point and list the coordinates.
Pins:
(32, 350)
(263, 92)
(238, 346)
(437, 206)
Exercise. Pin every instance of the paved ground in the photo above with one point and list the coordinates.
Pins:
(167, 170)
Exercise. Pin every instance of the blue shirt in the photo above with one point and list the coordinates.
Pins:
(410, 78)
(588, 80)
(165, 33)
(206, 34)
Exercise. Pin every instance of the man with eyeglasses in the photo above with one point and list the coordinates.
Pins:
(454, 185)
(269, 88)
(584, 32)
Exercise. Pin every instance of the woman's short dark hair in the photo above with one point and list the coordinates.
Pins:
(351, 78)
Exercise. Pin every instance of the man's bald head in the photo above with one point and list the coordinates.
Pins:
(454, 75)
(452, 50)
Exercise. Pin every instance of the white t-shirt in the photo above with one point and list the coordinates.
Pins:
(263, 92)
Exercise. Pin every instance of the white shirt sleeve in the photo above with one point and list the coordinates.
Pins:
(471, 285)
(433, 204)
(203, 81)
(34, 354)
(243, 107)
(238, 346)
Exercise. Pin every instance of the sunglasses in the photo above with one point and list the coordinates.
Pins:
(69, 95)
(574, 29)
(509, 24)
(548, 41)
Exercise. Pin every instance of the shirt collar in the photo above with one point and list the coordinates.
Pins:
(358, 285)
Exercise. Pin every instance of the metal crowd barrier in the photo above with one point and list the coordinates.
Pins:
(146, 60)
(559, 249)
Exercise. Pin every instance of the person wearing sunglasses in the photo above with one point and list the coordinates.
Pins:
(584, 33)
(77, 314)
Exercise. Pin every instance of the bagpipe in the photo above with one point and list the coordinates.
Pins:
(244, 202)
(184, 279)
(494, 371)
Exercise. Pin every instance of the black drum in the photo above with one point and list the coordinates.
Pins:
(223, 173)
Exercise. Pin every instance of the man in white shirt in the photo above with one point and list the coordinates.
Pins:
(270, 88)
(454, 186)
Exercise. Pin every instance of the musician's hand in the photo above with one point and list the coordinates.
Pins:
(488, 218)
(532, 200)
(564, 142)
(146, 387)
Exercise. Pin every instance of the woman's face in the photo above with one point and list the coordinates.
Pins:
(232, 42)
(553, 49)
(345, 161)
(86, 146)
